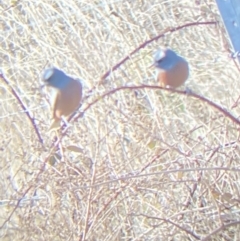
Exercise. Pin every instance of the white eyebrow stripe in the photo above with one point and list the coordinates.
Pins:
(47, 74)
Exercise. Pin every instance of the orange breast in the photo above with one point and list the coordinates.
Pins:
(68, 99)
(175, 76)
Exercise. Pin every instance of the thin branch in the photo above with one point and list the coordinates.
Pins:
(221, 228)
(132, 176)
(171, 222)
(15, 208)
(187, 93)
(32, 120)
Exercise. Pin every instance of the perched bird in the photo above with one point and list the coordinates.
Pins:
(67, 92)
(172, 69)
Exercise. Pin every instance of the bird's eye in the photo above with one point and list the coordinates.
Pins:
(160, 60)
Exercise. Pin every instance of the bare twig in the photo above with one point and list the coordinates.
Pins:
(32, 120)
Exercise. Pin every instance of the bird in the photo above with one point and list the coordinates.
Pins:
(172, 69)
(66, 95)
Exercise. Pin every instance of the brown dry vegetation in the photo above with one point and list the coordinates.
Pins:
(141, 164)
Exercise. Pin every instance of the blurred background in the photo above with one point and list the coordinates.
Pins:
(140, 164)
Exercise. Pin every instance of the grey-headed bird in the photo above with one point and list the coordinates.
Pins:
(172, 69)
(67, 94)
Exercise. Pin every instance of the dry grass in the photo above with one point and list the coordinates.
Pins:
(143, 164)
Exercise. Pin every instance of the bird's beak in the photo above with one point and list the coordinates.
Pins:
(151, 66)
(44, 85)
